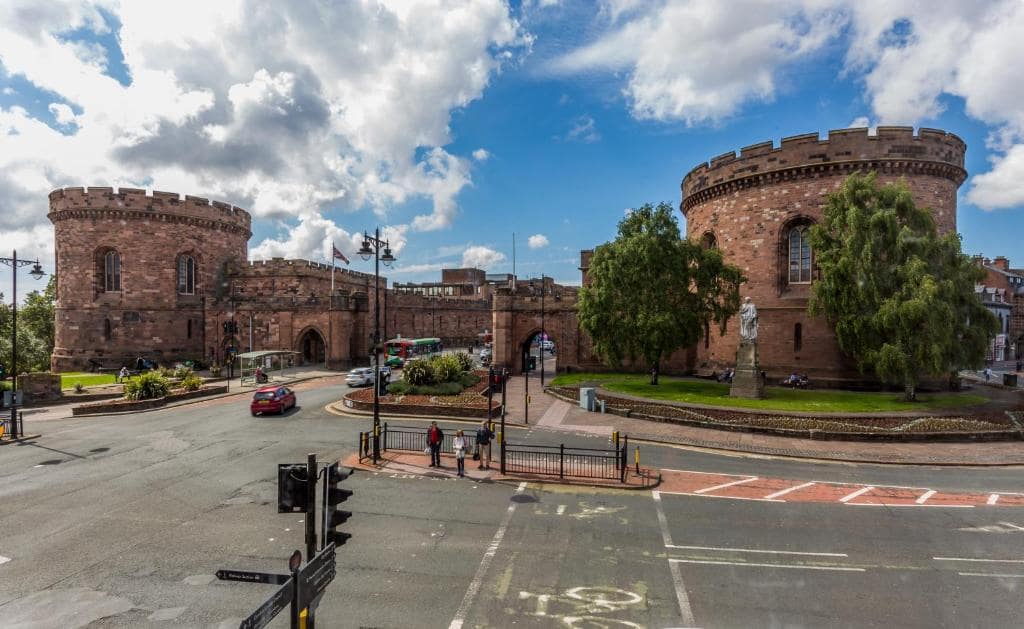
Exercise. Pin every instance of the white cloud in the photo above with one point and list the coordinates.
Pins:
(699, 61)
(1003, 186)
(538, 241)
(415, 268)
(286, 109)
(481, 155)
(583, 129)
(479, 257)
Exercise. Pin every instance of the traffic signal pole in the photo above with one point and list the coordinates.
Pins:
(311, 505)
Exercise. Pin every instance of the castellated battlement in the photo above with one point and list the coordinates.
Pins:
(307, 268)
(940, 152)
(68, 202)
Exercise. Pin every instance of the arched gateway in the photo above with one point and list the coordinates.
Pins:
(312, 347)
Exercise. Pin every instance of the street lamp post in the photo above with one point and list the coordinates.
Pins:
(37, 273)
(371, 247)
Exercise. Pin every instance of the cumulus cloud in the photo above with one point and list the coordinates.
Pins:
(1003, 186)
(481, 155)
(479, 257)
(699, 61)
(286, 109)
(538, 241)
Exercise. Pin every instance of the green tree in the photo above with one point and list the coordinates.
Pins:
(901, 297)
(33, 352)
(37, 314)
(651, 292)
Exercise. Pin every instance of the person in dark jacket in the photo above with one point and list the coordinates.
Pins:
(483, 445)
(435, 437)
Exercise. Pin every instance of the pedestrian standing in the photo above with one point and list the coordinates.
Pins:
(123, 374)
(483, 445)
(435, 437)
(988, 373)
(459, 445)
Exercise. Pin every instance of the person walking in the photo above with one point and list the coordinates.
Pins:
(459, 445)
(123, 374)
(483, 445)
(435, 437)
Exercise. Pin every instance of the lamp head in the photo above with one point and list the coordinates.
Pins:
(37, 271)
(387, 258)
(365, 252)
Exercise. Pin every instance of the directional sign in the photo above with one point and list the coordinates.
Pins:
(314, 576)
(253, 577)
(272, 607)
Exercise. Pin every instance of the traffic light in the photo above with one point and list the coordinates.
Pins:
(334, 496)
(292, 488)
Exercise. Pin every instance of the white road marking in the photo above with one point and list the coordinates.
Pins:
(4, 560)
(888, 504)
(754, 550)
(690, 493)
(768, 565)
(923, 498)
(862, 490)
(685, 611)
(786, 491)
(485, 563)
(978, 560)
(1009, 524)
(986, 574)
(992, 499)
(560, 510)
(724, 485)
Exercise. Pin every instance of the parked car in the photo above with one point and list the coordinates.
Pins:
(485, 356)
(360, 377)
(275, 399)
(548, 346)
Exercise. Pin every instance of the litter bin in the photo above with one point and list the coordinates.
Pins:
(588, 398)
(531, 363)
(1010, 379)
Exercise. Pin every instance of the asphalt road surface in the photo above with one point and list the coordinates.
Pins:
(123, 520)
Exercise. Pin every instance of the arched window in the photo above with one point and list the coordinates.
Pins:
(708, 241)
(799, 255)
(112, 272)
(798, 337)
(186, 275)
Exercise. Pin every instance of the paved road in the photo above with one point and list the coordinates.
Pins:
(122, 521)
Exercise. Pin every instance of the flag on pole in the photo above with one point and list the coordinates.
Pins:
(338, 254)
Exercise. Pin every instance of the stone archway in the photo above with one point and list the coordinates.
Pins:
(311, 347)
(545, 361)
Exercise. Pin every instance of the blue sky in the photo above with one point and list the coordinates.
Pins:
(455, 125)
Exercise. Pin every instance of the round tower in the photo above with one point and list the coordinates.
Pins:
(757, 206)
(134, 273)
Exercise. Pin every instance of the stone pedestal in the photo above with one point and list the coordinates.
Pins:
(747, 382)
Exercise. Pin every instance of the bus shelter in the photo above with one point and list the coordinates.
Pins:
(271, 362)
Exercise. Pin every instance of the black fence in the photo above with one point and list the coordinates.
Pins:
(562, 461)
(545, 460)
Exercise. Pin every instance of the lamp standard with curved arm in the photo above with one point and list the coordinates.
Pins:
(37, 273)
(371, 247)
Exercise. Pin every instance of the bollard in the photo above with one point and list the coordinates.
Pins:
(638, 459)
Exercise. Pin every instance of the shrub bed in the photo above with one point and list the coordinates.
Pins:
(471, 401)
(991, 425)
(122, 405)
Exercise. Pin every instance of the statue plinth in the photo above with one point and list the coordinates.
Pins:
(747, 382)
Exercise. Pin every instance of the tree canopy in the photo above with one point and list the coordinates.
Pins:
(901, 297)
(650, 292)
(35, 329)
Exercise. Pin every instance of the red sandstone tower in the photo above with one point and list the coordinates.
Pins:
(136, 271)
(757, 206)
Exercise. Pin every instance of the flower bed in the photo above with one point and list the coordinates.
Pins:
(986, 426)
(122, 405)
(472, 402)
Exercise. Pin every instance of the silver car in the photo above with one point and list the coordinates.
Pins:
(360, 377)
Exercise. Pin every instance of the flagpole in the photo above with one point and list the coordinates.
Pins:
(332, 269)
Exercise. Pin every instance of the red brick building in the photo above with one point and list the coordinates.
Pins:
(1002, 292)
(756, 207)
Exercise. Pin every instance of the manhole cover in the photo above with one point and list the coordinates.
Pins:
(51, 462)
(522, 498)
(98, 450)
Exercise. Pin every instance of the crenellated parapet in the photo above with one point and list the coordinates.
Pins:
(895, 150)
(276, 267)
(135, 203)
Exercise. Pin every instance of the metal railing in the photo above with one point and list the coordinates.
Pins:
(562, 461)
(414, 439)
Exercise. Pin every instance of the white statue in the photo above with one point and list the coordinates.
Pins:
(748, 320)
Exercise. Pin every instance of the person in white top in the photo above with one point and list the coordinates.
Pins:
(459, 445)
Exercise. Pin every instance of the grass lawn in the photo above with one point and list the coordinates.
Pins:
(69, 379)
(777, 398)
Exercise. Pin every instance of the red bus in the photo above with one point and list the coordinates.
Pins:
(400, 350)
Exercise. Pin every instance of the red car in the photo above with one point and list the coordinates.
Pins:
(274, 399)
